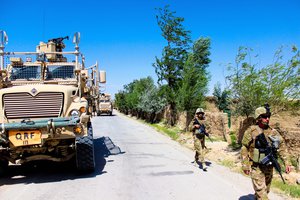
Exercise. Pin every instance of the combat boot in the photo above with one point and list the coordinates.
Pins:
(204, 167)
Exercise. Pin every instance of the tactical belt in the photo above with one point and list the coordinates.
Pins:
(255, 164)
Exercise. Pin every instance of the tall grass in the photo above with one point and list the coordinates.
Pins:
(292, 190)
(234, 145)
(171, 132)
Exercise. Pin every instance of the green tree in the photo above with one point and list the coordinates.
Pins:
(282, 79)
(169, 67)
(222, 97)
(120, 102)
(152, 103)
(245, 82)
(128, 99)
(276, 84)
(195, 78)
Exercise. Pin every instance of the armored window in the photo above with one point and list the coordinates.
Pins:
(104, 101)
(60, 72)
(25, 72)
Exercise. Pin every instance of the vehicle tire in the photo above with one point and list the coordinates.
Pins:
(98, 113)
(85, 158)
(3, 167)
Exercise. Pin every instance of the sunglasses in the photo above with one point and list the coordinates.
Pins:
(265, 116)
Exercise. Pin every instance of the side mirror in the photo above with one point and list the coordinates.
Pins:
(102, 76)
(3, 38)
(76, 38)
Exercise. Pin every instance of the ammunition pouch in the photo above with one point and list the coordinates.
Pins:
(260, 151)
(199, 132)
(258, 155)
(265, 154)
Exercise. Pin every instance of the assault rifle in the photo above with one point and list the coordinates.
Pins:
(270, 151)
(202, 130)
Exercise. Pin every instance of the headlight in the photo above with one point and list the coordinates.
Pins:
(78, 129)
(82, 110)
(75, 113)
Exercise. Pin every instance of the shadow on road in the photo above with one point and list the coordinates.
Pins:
(200, 165)
(247, 197)
(110, 147)
(48, 171)
(106, 115)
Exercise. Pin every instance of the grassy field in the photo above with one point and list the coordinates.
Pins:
(291, 190)
(171, 132)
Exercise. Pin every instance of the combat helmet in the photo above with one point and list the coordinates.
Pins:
(259, 111)
(199, 110)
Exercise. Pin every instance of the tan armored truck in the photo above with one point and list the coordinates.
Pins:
(94, 89)
(105, 104)
(44, 107)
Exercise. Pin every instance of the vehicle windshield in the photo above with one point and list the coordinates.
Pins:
(25, 72)
(60, 72)
(104, 101)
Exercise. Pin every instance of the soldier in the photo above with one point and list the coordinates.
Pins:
(197, 126)
(253, 152)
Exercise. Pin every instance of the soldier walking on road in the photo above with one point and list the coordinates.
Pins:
(257, 142)
(198, 126)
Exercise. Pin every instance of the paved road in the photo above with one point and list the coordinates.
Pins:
(133, 162)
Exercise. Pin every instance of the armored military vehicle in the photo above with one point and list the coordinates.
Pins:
(44, 107)
(105, 104)
(94, 94)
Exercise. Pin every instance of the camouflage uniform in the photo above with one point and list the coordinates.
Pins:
(199, 140)
(261, 175)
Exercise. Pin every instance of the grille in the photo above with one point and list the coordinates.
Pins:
(104, 106)
(23, 105)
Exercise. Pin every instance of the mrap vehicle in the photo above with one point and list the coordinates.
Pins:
(105, 104)
(44, 107)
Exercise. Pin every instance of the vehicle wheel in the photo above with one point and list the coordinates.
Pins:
(98, 113)
(3, 167)
(85, 158)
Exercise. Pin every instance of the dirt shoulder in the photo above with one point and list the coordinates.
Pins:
(221, 153)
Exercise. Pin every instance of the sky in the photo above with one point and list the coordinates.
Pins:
(123, 35)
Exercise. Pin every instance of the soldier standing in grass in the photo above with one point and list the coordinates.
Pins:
(257, 139)
(197, 126)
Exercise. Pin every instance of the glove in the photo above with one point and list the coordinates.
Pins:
(288, 169)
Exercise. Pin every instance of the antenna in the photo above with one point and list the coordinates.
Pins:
(43, 32)
(76, 38)
(3, 41)
(3, 38)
